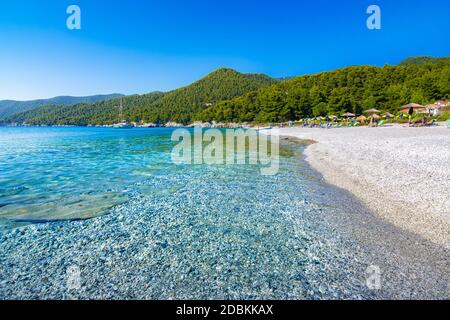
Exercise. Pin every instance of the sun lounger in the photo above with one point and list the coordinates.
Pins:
(423, 123)
(418, 123)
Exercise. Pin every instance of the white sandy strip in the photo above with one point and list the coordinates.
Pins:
(403, 174)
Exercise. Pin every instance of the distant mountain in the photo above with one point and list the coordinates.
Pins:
(178, 105)
(101, 112)
(10, 107)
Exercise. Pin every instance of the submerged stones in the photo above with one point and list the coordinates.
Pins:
(221, 233)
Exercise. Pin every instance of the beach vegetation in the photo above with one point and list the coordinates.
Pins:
(444, 116)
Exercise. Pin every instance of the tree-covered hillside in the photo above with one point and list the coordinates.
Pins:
(352, 89)
(101, 113)
(178, 105)
(10, 107)
(423, 60)
(182, 104)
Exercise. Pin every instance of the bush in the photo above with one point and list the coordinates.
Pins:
(444, 116)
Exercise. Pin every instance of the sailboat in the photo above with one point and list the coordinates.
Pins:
(123, 124)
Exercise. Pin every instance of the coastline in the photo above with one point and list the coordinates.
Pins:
(401, 174)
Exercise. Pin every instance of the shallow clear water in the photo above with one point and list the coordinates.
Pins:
(73, 173)
(189, 232)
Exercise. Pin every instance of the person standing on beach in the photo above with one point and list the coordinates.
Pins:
(410, 112)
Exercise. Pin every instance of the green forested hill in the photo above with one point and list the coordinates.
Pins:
(351, 89)
(10, 107)
(182, 104)
(103, 112)
(178, 105)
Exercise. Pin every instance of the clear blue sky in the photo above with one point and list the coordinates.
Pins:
(139, 46)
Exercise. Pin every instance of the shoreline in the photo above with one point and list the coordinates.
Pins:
(376, 165)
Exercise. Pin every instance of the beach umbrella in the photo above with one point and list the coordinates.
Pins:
(374, 117)
(409, 108)
(361, 118)
(348, 115)
(372, 111)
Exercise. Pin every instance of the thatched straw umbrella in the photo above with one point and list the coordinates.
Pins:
(411, 108)
(372, 111)
(361, 119)
(348, 115)
(374, 117)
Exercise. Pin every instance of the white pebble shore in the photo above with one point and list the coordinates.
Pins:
(401, 173)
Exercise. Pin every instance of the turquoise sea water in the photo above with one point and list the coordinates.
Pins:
(74, 173)
(148, 229)
(51, 174)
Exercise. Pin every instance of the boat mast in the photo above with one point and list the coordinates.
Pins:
(121, 111)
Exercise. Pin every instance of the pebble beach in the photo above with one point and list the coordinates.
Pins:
(401, 173)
